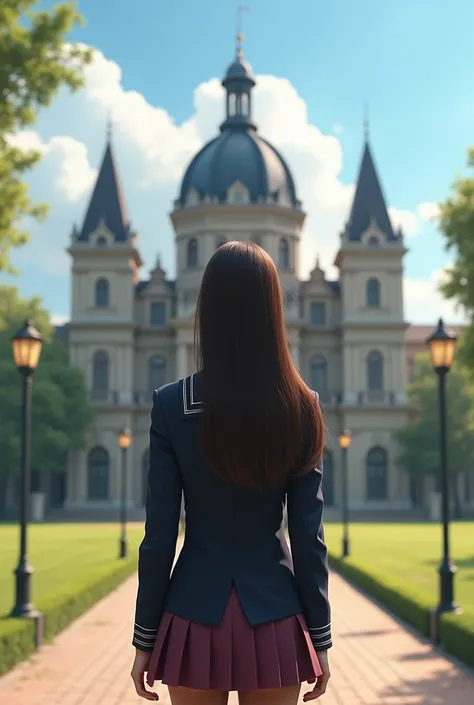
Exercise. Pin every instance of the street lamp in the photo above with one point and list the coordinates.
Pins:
(26, 345)
(441, 344)
(344, 443)
(124, 440)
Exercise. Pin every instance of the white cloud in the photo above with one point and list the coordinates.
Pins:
(153, 150)
(428, 210)
(424, 303)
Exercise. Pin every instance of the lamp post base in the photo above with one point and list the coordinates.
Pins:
(23, 606)
(123, 548)
(447, 571)
(345, 547)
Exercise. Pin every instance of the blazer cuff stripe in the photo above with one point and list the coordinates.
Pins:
(322, 644)
(142, 634)
(323, 635)
(145, 629)
(318, 629)
(143, 647)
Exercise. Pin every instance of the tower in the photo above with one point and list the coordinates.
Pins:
(238, 187)
(105, 268)
(370, 262)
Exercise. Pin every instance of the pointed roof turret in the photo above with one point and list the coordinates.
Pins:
(107, 203)
(369, 204)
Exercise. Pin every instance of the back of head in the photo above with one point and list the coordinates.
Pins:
(260, 420)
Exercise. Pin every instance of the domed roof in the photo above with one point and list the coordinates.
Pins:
(239, 154)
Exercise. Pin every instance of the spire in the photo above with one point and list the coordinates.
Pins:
(369, 203)
(238, 83)
(107, 203)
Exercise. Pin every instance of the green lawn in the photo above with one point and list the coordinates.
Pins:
(411, 554)
(62, 555)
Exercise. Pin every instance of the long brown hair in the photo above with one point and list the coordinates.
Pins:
(260, 420)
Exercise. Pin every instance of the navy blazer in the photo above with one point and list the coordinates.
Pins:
(234, 536)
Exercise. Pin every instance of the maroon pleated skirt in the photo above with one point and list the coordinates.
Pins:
(233, 655)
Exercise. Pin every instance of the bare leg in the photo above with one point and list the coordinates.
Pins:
(279, 696)
(188, 696)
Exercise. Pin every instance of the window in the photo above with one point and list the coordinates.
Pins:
(220, 240)
(232, 104)
(317, 313)
(98, 474)
(100, 374)
(156, 372)
(319, 373)
(373, 293)
(374, 241)
(102, 293)
(257, 240)
(244, 104)
(284, 254)
(101, 241)
(375, 371)
(145, 466)
(157, 313)
(328, 478)
(377, 474)
(192, 254)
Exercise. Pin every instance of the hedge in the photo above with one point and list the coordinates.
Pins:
(17, 636)
(456, 633)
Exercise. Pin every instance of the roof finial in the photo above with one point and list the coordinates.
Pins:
(239, 37)
(109, 126)
(366, 121)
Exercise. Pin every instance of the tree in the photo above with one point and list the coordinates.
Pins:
(35, 63)
(420, 440)
(457, 225)
(61, 412)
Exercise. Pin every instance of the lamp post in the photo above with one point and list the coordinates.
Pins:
(26, 345)
(441, 344)
(124, 440)
(344, 443)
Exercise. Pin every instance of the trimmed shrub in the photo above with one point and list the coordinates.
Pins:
(17, 636)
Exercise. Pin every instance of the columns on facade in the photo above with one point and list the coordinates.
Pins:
(181, 360)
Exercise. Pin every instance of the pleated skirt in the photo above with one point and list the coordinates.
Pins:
(233, 655)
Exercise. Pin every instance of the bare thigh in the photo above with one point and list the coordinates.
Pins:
(188, 696)
(279, 696)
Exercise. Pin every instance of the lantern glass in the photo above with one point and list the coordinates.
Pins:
(345, 439)
(442, 344)
(27, 345)
(125, 438)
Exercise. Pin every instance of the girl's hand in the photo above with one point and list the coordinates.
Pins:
(139, 668)
(322, 680)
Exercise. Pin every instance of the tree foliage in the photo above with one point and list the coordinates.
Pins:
(419, 440)
(457, 226)
(35, 63)
(61, 412)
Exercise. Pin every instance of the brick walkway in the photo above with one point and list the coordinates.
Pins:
(374, 661)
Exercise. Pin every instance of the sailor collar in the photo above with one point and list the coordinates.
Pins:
(192, 404)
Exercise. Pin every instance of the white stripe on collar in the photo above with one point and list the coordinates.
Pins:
(190, 404)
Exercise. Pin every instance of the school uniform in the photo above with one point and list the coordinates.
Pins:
(238, 612)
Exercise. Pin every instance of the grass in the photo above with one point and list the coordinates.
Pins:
(62, 556)
(411, 553)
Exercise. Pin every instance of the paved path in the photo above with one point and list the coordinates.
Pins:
(374, 661)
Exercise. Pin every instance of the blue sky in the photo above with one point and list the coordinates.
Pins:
(412, 61)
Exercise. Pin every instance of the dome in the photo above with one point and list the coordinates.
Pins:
(238, 155)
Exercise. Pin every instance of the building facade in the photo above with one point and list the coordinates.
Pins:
(347, 336)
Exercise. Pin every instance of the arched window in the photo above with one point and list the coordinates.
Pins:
(232, 104)
(328, 478)
(100, 374)
(319, 370)
(156, 372)
(98, 474)
(284, 254)
(377, 474)
(373, 293)
(375, 371)
(101, 241)
(145, 466)
(244, 104)
(102, 293)
(374, 241)
(220, 240)
(192, 254)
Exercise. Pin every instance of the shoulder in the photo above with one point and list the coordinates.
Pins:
(182, 398)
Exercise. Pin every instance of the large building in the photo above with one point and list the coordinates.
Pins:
(131, 335)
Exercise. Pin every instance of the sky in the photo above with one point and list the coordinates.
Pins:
(322, 66)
